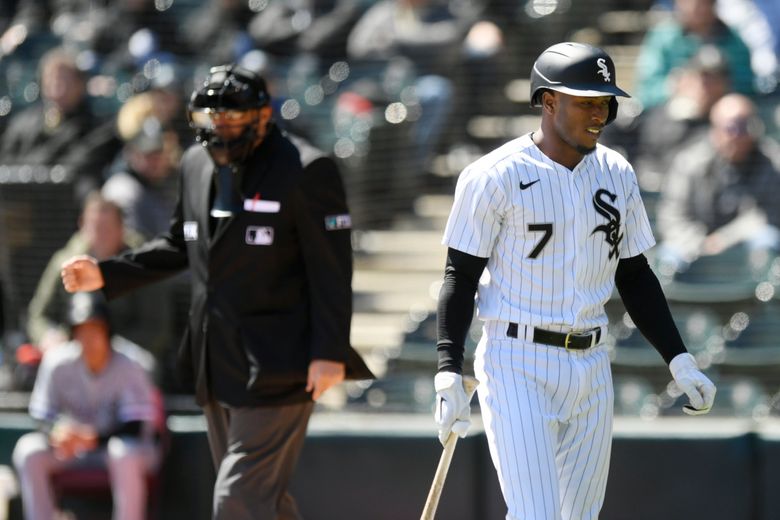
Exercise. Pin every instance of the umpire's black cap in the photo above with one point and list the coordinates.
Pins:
(230, 87)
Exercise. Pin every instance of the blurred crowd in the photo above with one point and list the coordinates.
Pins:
(93, 98)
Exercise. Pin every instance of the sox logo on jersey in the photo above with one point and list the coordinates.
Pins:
(612, 228)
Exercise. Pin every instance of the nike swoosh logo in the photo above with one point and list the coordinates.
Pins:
(524, 186)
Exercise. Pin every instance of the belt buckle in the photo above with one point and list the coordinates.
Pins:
(591, 335)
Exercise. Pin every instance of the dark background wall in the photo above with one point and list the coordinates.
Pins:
(671, 469)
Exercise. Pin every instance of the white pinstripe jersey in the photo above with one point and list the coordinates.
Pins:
(552, 236)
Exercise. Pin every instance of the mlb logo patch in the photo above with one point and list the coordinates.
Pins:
(334, 222)
(190, 230)
(259, 235)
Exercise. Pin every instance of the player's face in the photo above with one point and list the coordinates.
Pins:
(579, 120)
(153, 165)
(95, 341)
(62, 86)
(103, 230)
(734, 136)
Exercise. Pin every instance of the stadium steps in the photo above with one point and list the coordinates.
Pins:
(396, 281)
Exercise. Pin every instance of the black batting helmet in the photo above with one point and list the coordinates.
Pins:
(227, 88)
(576, 69)
(87, 306)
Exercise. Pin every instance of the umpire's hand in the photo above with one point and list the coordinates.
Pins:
(453, 411)
(81, 273)
(323, 374)
(699, 389)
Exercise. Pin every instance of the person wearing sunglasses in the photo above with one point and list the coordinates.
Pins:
(721, 189)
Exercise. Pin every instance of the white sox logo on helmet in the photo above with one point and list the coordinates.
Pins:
(603, 70)
(611, 229)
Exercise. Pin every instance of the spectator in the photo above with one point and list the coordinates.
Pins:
(722, 189)
(61, 128)
(162, 100)
(2, 309)
(290, 28)
(411, 49)
(755, 22)
(105, 28)
(305, 38)
(218, 30)
(771, 11)
(143, 318)
(5, 284)
(95, 407)
(40, 16)
(126, 34)
(427, 32)
(673, 42)
(652, 139)
(145, 189)
(7, 10)
(25, 20)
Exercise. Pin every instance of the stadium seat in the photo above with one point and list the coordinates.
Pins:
(634, 397)
(730, 276)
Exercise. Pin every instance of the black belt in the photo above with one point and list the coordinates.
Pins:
(569, 341)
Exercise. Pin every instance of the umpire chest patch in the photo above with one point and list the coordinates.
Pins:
(334, 222)
(259, 235)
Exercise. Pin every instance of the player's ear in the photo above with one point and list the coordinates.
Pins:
(549, 101)
(265, 114)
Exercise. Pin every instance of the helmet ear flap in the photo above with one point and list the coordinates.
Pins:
(613, 109)
(536, 98)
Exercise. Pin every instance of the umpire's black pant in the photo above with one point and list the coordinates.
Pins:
(255, 451)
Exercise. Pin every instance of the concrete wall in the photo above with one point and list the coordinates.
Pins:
(380, 467)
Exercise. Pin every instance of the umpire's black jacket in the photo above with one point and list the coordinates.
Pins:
(271, 286)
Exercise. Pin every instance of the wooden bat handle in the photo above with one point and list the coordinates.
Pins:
(432, 502)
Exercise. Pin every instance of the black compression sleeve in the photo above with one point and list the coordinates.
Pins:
(128, 429)
(646, 304)
(456, 307)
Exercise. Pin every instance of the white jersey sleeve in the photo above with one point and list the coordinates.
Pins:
(136, 396)
(46, 398)
(42, 399)
(477, 213)
(639, 234)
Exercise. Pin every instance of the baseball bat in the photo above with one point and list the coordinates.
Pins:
(432, 502)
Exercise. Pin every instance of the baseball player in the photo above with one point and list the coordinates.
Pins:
(542, 229)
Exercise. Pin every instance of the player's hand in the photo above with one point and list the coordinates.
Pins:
(70, 439)
(453, 411)
(81, 273)
(699, 389)
(323, 374)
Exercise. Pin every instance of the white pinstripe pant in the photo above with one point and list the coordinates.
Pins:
(548, 418)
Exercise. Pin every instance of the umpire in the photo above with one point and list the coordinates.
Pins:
(267, 243)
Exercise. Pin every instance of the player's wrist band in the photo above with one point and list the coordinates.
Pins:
(569, 341)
